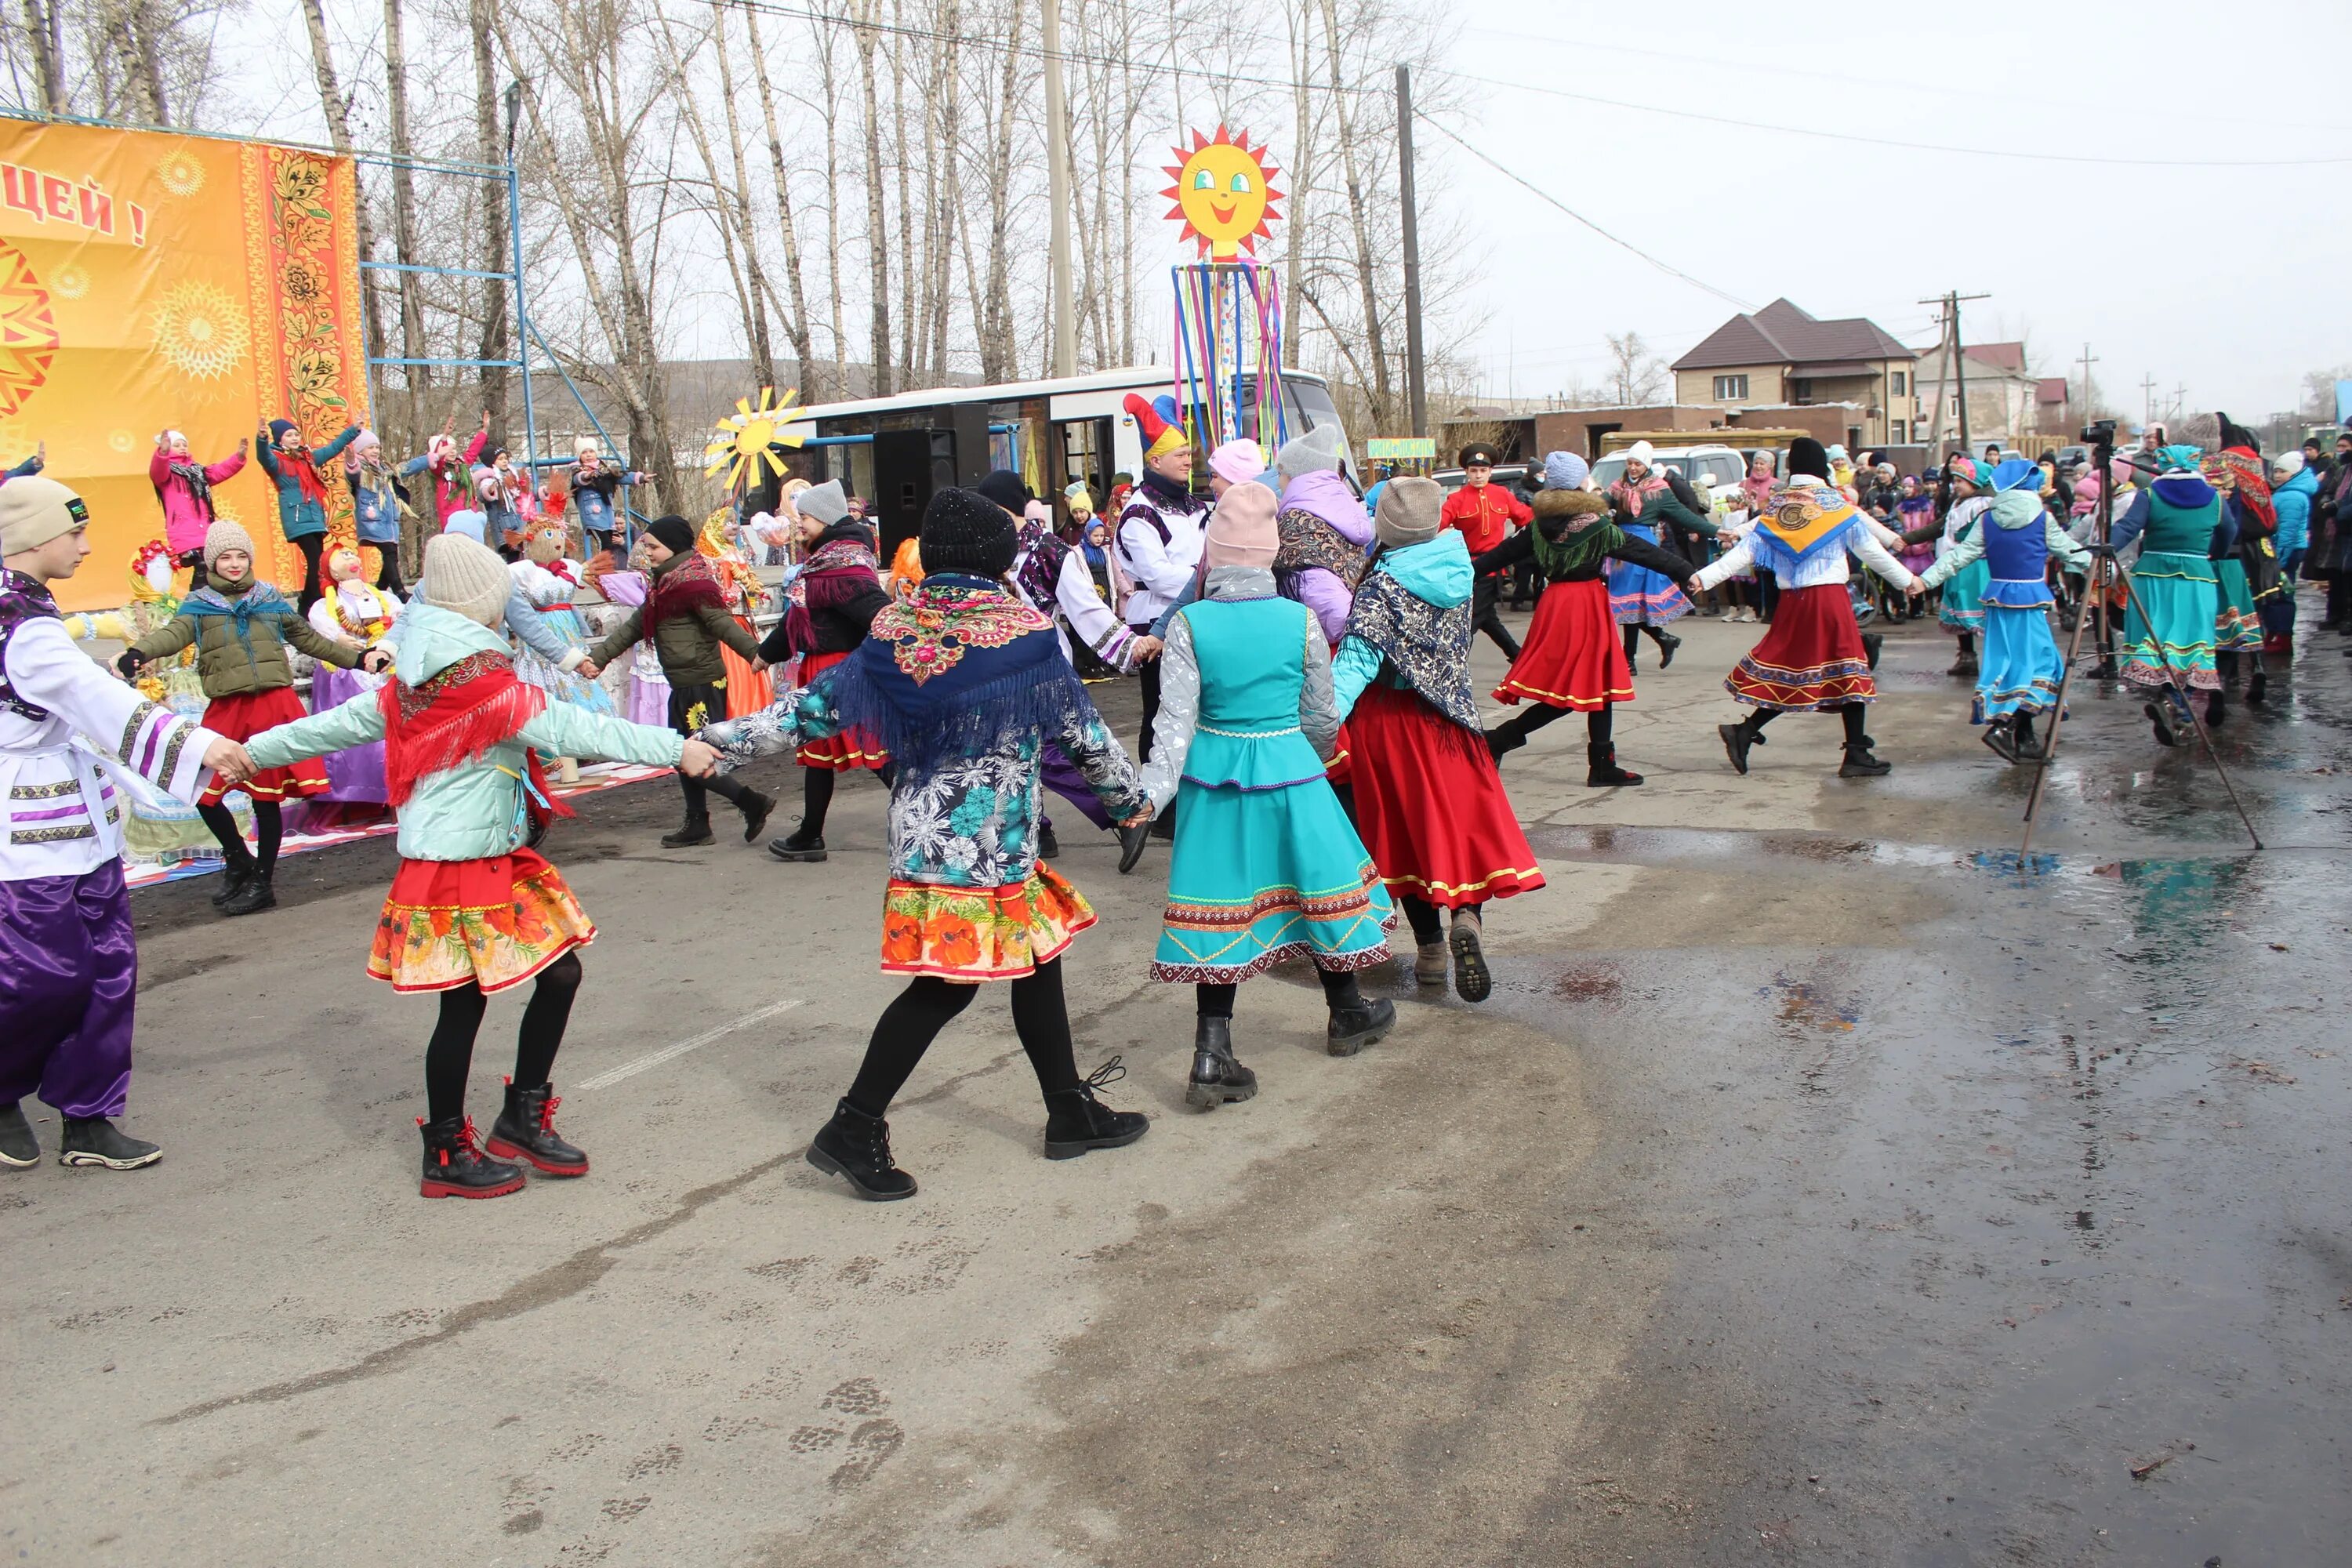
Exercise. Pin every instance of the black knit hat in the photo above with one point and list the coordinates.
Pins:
(1006, 488)
(964, 530)
(675, 534)
(1807, 456)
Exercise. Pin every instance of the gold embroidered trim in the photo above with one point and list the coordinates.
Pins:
(46, 791)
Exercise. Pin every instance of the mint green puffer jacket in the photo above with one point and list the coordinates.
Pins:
(476, 809)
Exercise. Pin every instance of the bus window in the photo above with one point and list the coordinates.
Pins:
(1311, 406)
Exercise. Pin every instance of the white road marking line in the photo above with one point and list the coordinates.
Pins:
(670, 1053)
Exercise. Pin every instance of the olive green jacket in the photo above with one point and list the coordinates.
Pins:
(234, 659)
(687, 644)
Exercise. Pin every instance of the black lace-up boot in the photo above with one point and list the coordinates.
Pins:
(525, 1130)
(1077, 1121)
(1217, 1078)
(454, 1166)
(857, 1147)
(695, 829)
(1861, 762)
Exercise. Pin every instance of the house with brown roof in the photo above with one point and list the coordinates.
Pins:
(1784, 356)
(2007, 401)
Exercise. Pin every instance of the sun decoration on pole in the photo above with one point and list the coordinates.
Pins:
(749, 437)
(1224, 193)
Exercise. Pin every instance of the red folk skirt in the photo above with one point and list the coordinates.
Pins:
(247, 714)
(493, 923)
(1813, 658)
(851, 748)
(1430, 806)
(1574, 656)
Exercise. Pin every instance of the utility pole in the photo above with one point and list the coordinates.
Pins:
(1058, 187)
(1415, 395)
(2086, 361)
(2147, 398)
(1950, 304)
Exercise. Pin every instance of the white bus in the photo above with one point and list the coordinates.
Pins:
(897, 450)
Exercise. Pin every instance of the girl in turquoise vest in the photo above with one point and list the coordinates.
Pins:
(1266, 867)
(2169, 633)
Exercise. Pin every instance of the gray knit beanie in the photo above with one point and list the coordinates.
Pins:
(465, 578)
(1407, 512)
(1317, 451)
(827, 502)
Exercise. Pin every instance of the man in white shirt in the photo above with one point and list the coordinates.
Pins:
(1159, 534)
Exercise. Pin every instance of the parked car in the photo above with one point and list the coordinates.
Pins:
(1712, 466)
(1510, 476)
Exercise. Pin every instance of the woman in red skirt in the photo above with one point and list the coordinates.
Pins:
(240, 627)
(1813, 661)
(834, 601)
(1573, 659)
(1430, 806)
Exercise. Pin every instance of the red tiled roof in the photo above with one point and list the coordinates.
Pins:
(2050, 389)
(1784, 333)
(2000, 356)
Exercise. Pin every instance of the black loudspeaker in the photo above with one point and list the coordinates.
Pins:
(910, 466)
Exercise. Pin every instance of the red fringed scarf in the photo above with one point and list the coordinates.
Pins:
(682, 589)
(837, 572)
(2253, 489)
(297, 461)
(457, 715)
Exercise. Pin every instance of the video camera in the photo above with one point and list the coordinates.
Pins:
(2100, 434)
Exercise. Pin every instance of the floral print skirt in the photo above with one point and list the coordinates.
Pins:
(493, 923)
(980, 933)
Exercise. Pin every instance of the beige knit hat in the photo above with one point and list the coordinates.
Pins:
(221, 535)
(34, 510)
(1407, 512)
(1241, 531)
(465, 578)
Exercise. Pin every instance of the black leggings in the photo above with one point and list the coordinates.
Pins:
(449, 1055)
(1216, 1000)
(915, 1018)
(310, 544)
(1600, 724)
(1854, 713)
(1427, 921)
(388, 579)
(816, 795)
(269, 828)
(1633, 636)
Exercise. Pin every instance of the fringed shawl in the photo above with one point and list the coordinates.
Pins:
(1427, 645)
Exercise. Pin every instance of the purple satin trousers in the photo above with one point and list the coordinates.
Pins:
(1061, 776)
(68, 975)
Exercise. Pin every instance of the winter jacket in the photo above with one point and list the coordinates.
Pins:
(1324, 497)
(297, 515)
(234, 662)
(596, 497)
(1587, 550)
(478, 808)
(376, 514)
(686, 642)
(2293, 500)
(838, 617)
(452, 480)
(185, 516)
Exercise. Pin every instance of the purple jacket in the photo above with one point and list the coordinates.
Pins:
(1328, 497)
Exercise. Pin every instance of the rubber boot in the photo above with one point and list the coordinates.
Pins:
(454, 1166)
(1217, 1078)
(1075, 1122)
(1604, 771)
(857, 1147)
(694, 830)
(1472, 980)
(18, 1147)
(525, 1130)
(1861, 762)
(255, 896)
(755, 809)
(1350, 1029)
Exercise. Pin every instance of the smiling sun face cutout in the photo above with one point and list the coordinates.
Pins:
(1224, 193)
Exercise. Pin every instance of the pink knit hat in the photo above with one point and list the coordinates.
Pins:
(1241, 531)
(1236, 462)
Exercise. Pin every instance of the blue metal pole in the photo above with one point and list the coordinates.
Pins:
(522, 313)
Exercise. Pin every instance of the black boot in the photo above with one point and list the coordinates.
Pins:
(1503, 741)
(1077, 1121)
(95, 1141)
(1472, 980)
(234, 876)
(2258, 686)
(1049, 847)
(694, 830)
(857, 1146)
(255, 896)
(18, 1147)
(1871, 643)
(1737, 738)
(525, 1130)
(800, 844)
(1604, 770)
(2216, 710)
(755, 809)
(1667, 643)
(2030, 747)
(1861, 762)
(2159, 715)
(2002, 738)
(1217, 1078)
(454, 1166)
(1350, 1029)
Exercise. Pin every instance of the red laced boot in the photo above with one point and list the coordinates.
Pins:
(525, 1130)
(453, 1166)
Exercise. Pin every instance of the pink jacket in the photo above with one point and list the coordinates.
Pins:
(186, 514)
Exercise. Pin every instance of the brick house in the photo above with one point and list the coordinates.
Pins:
(1783, 355)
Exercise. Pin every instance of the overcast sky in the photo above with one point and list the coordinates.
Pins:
(2232, 280)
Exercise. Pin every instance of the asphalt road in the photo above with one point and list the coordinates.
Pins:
(1820, 1185)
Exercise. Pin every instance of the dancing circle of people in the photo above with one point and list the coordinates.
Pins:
(1312, 747)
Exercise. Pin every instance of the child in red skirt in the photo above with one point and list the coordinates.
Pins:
(241, 627)
(473, 910)
(1573, 658)
(1813, 661)
(1429, 801)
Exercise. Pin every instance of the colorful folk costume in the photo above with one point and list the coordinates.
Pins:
(749, 688)
(2021, 669)
(550, 584)
(1813, 661)
(641, 691)
(1646, 502)
(686, 618)
(473, 911)
(966, 686)
(1156, 541)
(299, 477)
(832, 603)
(73, 740)
(1429, 801)
(1326, 534)
(2168, 632)
(358, 616)
(2247, 570)
(240, 628)
(1962, 610)
(1576, 657)
(1266, 867)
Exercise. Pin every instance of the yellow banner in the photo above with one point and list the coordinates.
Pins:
(154, 282)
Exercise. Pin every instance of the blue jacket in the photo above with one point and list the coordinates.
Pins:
(478, 808)
(297, 516)
(2293, 500)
